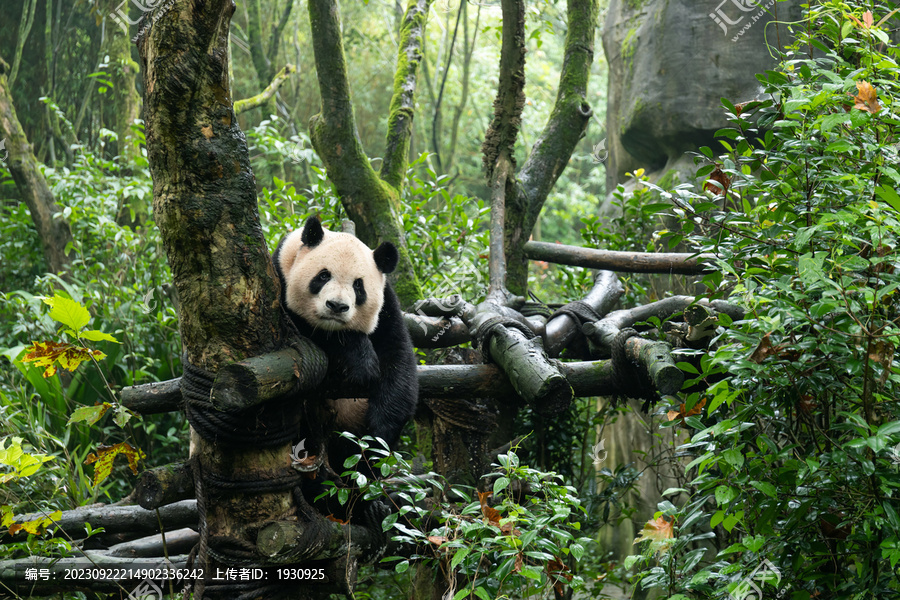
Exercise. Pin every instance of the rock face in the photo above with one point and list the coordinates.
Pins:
(670, 62)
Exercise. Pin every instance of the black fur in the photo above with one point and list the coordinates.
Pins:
(312, 234)
(386, 257)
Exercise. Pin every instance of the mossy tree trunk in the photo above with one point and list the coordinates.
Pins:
(204, 202)
(551, 152)
(30, 181)
(371, 199)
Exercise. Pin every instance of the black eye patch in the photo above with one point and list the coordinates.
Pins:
(319, 281)
(360, 290)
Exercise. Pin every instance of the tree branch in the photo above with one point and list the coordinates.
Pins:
(372, 203)
(627, 262)
(266, 95)
(400, 118)
(553, 149)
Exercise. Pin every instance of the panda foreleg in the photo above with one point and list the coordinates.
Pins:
(352, 357)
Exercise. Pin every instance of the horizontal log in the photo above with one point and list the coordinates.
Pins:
(152, 398)
(115, 519)
(603, 332)
(179, 541)
(261, 378)
(165, 485)
(319, 538)
(12, 574)
(623, 262)
(460, 381)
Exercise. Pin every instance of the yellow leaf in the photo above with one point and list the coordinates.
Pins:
(107, 454)
(68, 312)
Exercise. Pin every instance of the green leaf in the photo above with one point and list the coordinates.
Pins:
(94, 335)
(531, 573)
(577, 551)
(501, 484)
(734, 458)
(460, 555)
(725, 494)
(482, 593)
(732, 520)
(766, 488)
(89, 414)
(68, 312)
(830, 121)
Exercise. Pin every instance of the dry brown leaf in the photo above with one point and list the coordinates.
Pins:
(721, 178)
(336, 520)
(763, 350)
(681, 414)
(868, 19)
(437, 540)
(558, 569)
(490, 513)
(866, 98)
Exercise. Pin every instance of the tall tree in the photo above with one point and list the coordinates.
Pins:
(371, 199)
(263, 55)
(30, 181)
(123, 71)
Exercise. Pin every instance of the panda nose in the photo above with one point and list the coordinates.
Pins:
(337, 307)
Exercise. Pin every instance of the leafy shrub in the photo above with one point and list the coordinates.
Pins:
(795, 463)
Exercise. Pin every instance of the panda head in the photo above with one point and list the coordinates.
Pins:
(332, 280)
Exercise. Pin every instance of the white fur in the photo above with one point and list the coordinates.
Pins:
(347, 259)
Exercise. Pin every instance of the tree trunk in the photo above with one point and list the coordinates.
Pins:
(372, 201)
(551, 152)
(30, 181)
(204, 202)
(122, 73)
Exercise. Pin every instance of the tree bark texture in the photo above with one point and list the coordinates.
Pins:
(551, 152)
(206, 208)
(30, 181)
(370, 199)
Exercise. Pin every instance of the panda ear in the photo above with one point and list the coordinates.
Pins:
(312, 232)
(386, 257)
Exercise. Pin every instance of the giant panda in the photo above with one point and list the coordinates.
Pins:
(335, 290)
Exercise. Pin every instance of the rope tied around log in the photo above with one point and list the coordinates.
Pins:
(257, 427)
(581, 312)
(267, 426)
(629, 378)
(490, 326)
